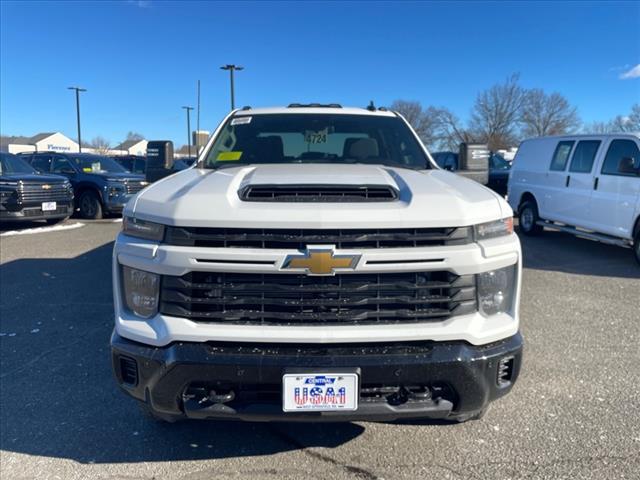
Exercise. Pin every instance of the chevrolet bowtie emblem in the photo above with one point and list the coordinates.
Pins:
(320, 261)
(46, 187)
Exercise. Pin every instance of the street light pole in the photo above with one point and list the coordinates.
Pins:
(188, 109)
(78, 90)
(231, 69)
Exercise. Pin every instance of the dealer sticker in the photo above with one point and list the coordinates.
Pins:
(241, 121)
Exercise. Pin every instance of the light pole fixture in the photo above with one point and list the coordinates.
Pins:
(232, 68)
(78, 90)
(188, 109)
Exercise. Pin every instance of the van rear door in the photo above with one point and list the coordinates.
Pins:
(616, 194)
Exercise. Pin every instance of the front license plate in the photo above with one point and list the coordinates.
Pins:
(319, 392)
(48, 206)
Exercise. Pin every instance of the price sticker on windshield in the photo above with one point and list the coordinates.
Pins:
(311, 136)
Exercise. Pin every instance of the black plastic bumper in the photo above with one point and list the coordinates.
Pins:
(453, 378)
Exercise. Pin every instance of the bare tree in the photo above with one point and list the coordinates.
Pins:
(496, 113)
(544, 114)
(423, 120)
(619, 124)
(634, 117)
(450, 130)
(627, 123)
(597, 127)
(134, 136)
(100, 144)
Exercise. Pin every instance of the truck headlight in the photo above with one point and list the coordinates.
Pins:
(141, 291)
(498, 228)
(142, 229)
(115, 189)
(496, 290)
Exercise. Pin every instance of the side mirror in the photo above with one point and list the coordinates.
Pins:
(626, 165)
(67, 171)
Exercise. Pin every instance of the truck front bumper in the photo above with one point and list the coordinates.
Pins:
(408, 380)
(32, 212)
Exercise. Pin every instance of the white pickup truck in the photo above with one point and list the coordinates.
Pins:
(316, 264)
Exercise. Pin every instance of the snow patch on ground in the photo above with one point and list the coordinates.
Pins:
(53, 228)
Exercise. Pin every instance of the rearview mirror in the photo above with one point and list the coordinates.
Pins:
(626, 165)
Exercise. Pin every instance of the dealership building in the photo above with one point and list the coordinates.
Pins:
(42, 142)
(57, 142)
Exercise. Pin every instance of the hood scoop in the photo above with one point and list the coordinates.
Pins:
(318, 193)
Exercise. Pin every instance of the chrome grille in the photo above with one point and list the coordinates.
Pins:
(134, 187)
(34, 193)
(287, 299)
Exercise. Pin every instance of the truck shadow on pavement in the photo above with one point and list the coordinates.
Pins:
(57, 392)
(563, 252)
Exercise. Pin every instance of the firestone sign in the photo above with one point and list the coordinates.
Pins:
(58, 148)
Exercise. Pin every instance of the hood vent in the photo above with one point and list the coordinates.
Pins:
(318, 193)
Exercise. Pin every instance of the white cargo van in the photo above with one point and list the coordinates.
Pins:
(588, 185)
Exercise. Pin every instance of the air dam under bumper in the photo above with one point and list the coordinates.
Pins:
(408, 380)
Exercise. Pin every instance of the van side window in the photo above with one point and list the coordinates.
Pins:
(618, 150)
(584, 155)
(561, 155)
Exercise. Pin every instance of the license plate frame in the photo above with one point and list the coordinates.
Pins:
(49, 206)
(321, 399)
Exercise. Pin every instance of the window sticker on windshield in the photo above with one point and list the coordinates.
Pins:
(87, 170)
(241, 121)
(320, 136)
(229, 156)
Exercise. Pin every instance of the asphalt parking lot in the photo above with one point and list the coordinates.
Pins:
(574, 414)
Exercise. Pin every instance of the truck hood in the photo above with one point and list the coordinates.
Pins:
(209, 198)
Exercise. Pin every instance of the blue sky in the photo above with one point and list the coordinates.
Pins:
(140, 60)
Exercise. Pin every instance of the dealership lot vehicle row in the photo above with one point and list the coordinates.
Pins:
(574, 413)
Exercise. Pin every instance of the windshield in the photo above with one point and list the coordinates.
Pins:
(498, 162)
(97, 164)
(10, 164)
(316, 138)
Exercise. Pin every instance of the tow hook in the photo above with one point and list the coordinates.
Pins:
(221, 397)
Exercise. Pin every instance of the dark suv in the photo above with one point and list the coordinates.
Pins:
(101, 184)
(28, 195)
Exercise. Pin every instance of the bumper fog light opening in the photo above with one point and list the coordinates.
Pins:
(505, 371)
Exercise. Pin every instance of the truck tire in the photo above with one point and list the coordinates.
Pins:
(528, 218)
(636, 246)
(90, 206)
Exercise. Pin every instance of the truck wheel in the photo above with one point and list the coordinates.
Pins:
(528, 217)
(90, 206)
(636, 246)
